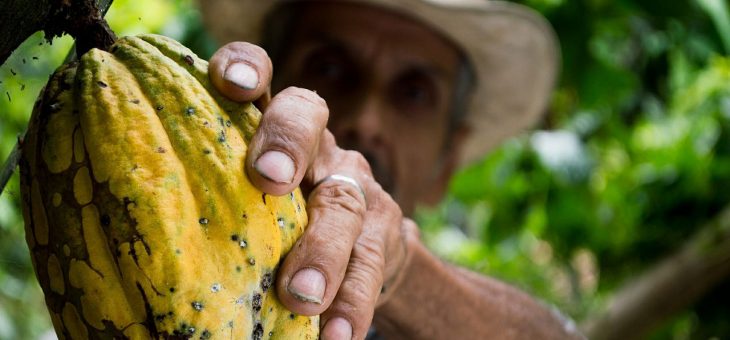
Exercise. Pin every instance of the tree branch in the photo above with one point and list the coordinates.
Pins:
(18, 20)
(668, 287)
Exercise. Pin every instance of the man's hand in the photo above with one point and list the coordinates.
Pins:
(355, 244)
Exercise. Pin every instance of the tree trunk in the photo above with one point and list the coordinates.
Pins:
(668, 287)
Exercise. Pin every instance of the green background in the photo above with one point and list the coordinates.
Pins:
(631, 160)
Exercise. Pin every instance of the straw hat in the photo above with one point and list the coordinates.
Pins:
(512, 49)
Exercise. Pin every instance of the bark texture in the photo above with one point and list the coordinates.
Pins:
(670, 286)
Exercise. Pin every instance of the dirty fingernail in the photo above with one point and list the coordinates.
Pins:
(337, 328)
(276, 166)
(308, 285)
(242, 75)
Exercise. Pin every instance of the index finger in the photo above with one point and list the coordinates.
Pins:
(287, 140)
(241, 71)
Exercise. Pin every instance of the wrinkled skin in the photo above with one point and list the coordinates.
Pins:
(375, 88)
(387, 82)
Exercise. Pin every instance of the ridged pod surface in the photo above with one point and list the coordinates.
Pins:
(139, 216)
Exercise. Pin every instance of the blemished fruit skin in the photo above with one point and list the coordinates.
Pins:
(139, 216)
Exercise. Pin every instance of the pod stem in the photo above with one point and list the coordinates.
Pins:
(83, 20)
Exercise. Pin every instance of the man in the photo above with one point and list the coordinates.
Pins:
(418, 88)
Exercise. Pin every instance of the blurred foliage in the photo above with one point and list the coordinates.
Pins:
(630, 161)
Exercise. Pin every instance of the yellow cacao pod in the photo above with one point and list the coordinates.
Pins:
(139, 216)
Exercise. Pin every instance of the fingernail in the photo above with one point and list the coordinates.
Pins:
(242, 75)
(275, 166)
(308, 285)
(337, 328)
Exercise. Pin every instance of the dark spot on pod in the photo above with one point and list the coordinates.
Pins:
(12, 71)
(203, 221)
(206, 151)
(205, 335)
(102, 84)
(197, 305)
(8, 94)
(189, 60)
(271, 334)
(266, 281)
(220, 121)
(230, 323)
(161, 150)
(128, 201)
(271, 309)
(160, 317)
(292, 225)
(134, 101)
(172, 289)
(35, 58)
(251, 261)
(178, 251)
(263, 198)
(382, 289)
(258, 331)
(222, 137)
(215, 288)
(190, 111)
(23, 60)
(244, 216)
(234, 237)
(22, 87)
(105, 220)
(184, 329)
(256, 302)
(292, 316)
(280, 222)
(160, 107)
(228, 123)
(238, 269)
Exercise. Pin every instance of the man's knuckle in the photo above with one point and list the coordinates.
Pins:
(369, 253)
(306, 95)
(338, 197)
(365, 278)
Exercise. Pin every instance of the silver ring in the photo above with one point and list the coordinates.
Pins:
(342, 178)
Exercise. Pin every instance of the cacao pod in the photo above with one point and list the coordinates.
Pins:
(139, 216)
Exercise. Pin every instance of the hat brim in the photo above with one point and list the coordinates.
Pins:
(513, 51)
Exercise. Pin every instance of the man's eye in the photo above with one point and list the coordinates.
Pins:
(325, 67)
(329, 69)
(414, 94)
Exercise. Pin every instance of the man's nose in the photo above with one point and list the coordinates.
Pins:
(362, 127)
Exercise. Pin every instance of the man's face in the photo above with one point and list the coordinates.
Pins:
(388, 82)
